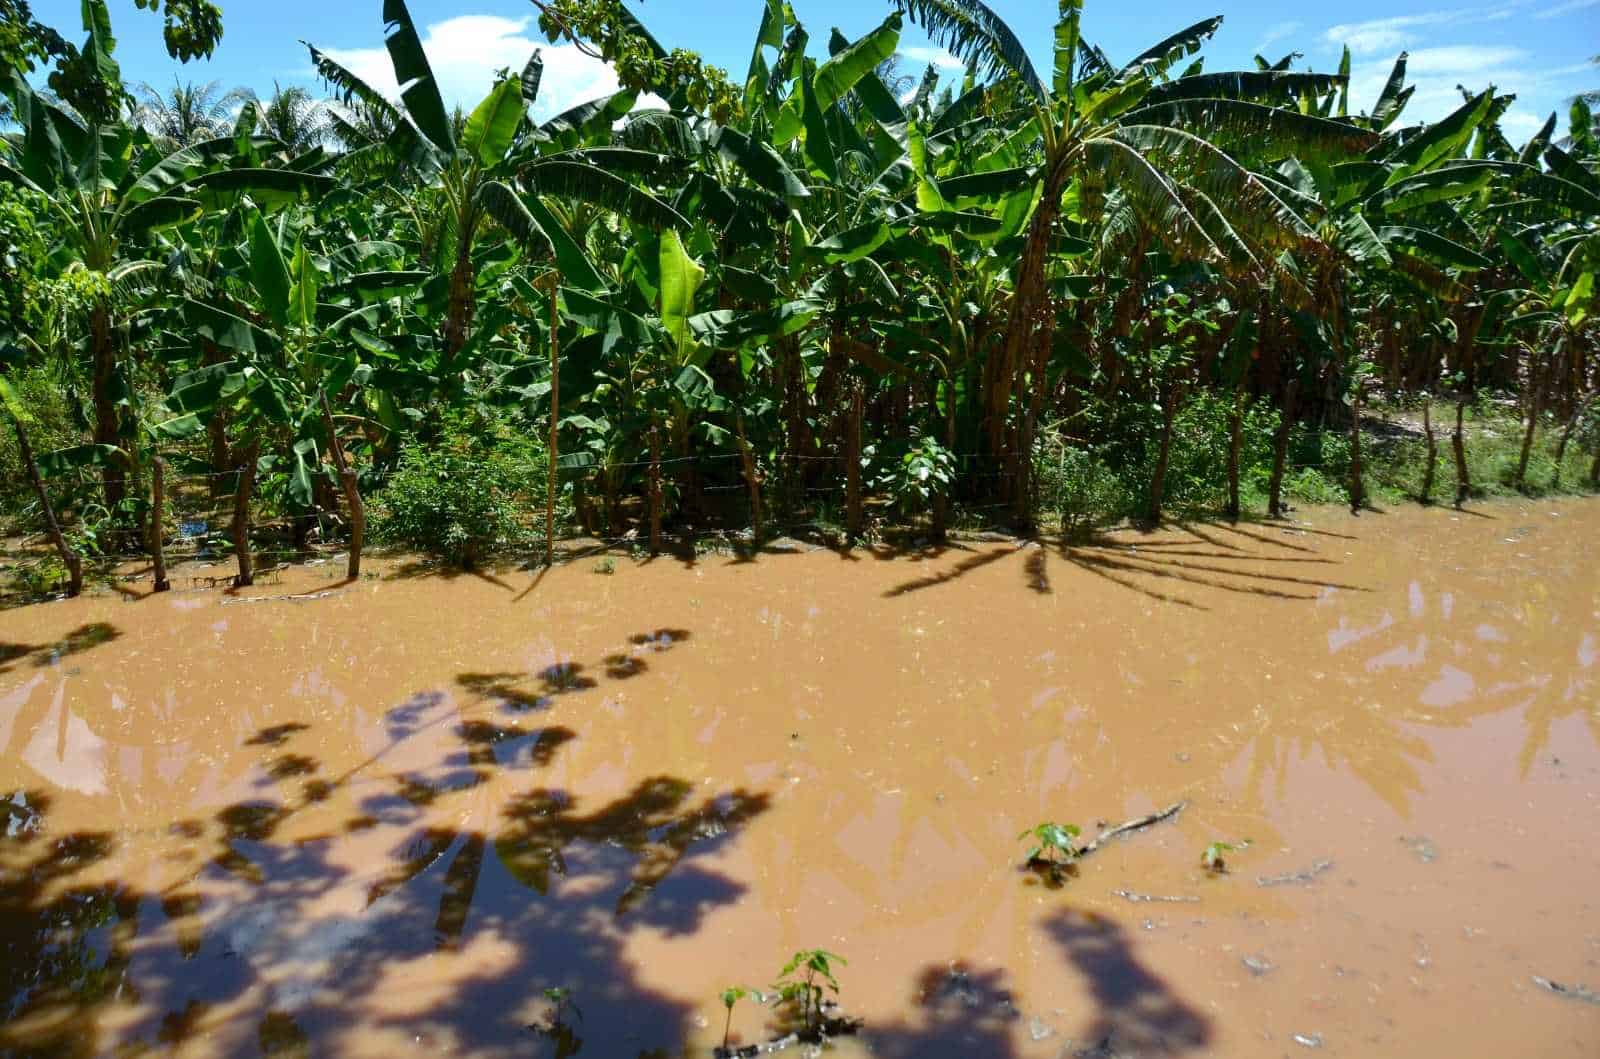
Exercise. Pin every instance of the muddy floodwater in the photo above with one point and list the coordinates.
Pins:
(382, 819)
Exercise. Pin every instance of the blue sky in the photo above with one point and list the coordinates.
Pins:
(1538, 49)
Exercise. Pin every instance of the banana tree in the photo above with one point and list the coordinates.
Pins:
(1166, 146)
(108, 189)
(463, 178)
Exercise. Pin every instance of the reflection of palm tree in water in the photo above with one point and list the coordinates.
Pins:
(1369, 727)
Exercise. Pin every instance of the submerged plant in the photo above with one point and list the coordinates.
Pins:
(1052, 843)
(560, 1032)
(801, 980)
(606, 566)
(730, 996)
(1213, 859)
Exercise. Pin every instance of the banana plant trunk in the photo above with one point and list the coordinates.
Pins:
(1358, 489)
(1158, 480)
(1536, 382)
(241, 513)
(1027, 303)
(1458, 443)
(1280, 451)
(69, 558)
(158, 519)
(852, 465)
(216, 427)
(655, 490)
(107, 422)
(1235, 440)
(459, 309)
(352, 491)
(752, 480)
(555, 435)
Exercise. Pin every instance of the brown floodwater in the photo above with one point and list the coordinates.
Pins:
(383, 820)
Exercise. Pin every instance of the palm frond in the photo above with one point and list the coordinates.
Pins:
(973, 33)
(587, 183)
(505, 206)
(1150, 195)
(1155, 60)
(1269, 132)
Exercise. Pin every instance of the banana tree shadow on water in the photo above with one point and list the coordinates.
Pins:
(311, 912)
(966, 1012)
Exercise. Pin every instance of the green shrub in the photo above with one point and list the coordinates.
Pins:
(468, 493)
(1077, 485)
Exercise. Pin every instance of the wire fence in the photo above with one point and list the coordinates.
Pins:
(704, 499)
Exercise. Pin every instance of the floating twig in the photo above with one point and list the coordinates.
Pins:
(1137, 824)
(1295, 878)
(300, 597)
(1129, 895)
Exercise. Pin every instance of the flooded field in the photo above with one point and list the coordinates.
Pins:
(383, 820)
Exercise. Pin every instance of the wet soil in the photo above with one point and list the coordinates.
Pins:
(383, 817)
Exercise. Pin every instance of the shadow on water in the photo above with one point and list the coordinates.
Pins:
(83, 638)
(476, 905)
(965, 1012)
(1144, 565)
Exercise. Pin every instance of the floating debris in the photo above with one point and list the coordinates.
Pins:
(1257, 965)
(1295, 878)
(300, 597)
(1313, 1040)
(1422, 846)
(1137, 898)
(1569, 992)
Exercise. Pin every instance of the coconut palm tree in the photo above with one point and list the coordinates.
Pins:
(187, 113)
(293, 117)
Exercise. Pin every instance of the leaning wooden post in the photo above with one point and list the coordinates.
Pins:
(1566, 436)
(241, 513)
(555, 420)
(352, 491)
(69, 557)
(158, 507)
(1358, 491)
(1433, 454)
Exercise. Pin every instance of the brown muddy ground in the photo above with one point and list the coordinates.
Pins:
(380, 822)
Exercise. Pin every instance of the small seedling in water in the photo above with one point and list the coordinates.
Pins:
(606, 566)
(1213, 858)
(560, 1032)
(797, 982)
(730, 996)
(562, 999)
(1052, 843)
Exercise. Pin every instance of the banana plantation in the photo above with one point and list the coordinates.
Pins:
(819, 292)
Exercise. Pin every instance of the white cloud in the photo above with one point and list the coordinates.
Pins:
(1518, 124)
(465, 52)
(933, 57)
(1399, 31)
(1565, 9)
(1384, 34)
(1436, 73)
(1276, 32)
(1465, 58)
